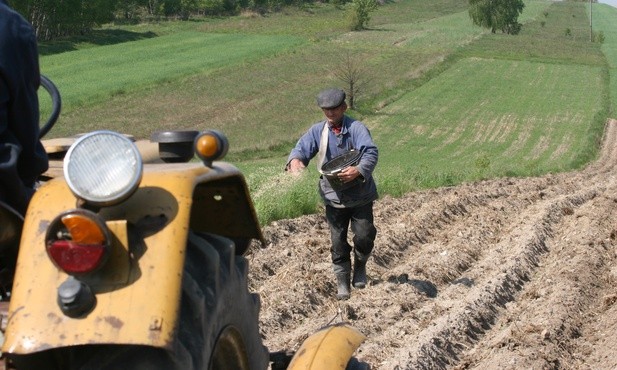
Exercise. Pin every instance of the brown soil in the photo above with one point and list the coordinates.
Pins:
(504, 274)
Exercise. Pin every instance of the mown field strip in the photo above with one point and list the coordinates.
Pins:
(604, 21)
(485, 117)
(512, 106)
(94, 74)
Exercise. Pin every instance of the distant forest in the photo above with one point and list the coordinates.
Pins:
(53, 18)
(56, 18)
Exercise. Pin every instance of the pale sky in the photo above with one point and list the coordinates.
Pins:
(609, 2)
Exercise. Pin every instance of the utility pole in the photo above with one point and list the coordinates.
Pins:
(590, 21)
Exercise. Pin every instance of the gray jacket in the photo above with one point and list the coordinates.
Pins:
(354, 135)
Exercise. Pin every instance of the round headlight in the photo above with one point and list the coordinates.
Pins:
(103, 167)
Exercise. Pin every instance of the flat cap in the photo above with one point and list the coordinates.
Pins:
(330, 98)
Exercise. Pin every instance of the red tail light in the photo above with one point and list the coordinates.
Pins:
(78, 242)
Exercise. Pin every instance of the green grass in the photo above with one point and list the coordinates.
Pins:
(488, 118)
(604, 19)
(311, 21)
(448, 102)
(91, 75)
(544, 39)
(267, 92)
(505, 106)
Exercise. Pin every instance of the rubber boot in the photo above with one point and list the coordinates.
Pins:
(343, 273)
(359, 272)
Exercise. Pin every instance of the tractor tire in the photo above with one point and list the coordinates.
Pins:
(218, 325)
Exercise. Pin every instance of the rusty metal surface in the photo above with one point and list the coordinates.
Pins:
(141, 311)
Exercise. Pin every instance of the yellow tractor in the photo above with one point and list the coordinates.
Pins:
(131, 256)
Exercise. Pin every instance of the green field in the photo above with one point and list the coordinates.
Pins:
(88, 76)
(447, 102)
(605, 20)
(488, 117)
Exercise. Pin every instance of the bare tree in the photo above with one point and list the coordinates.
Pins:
(353, 76)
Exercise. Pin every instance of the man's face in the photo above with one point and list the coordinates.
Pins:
(335, 115)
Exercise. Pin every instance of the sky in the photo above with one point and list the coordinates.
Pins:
(609, 2)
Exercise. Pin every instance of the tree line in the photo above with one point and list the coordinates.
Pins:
(55, 18)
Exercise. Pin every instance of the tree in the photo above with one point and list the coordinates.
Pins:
(351, 73)
(360, 13)
(497, 14)
(52, 18)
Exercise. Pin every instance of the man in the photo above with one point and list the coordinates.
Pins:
(347, 205)
(22, 157)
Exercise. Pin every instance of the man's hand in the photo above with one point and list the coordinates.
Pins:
(295, 166)
(348, 174)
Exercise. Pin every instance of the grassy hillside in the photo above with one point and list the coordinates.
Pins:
(89, 76)
(499, 106)
(508, 106)
(604, 20)
(490, 117)
(448, 102)
(279, 87)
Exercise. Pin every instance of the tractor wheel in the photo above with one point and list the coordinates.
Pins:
(218, 326)
(219, 316)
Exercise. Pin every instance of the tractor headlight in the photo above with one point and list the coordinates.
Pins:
(103, 168)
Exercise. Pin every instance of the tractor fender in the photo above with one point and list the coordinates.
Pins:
(330, 348)
(138, 290)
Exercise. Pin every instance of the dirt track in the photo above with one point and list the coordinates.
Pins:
(501, 274)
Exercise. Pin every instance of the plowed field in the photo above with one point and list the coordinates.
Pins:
(512, 273)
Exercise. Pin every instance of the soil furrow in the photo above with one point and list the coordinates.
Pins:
(540, 329)
(504, 273)
(452, 333)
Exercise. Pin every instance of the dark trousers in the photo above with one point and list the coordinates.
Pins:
(364, 232)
